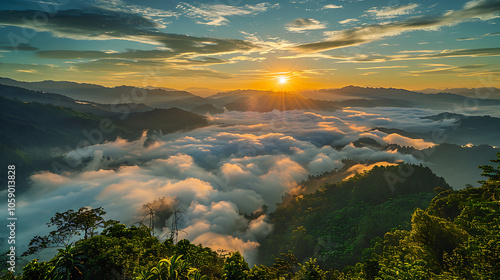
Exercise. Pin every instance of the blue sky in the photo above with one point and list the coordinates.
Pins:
(229, 44)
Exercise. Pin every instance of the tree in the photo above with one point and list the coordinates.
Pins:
(235, 267)
(173, 268)
(68, 225)
(310, 271)
(67, 265)
(438, 235)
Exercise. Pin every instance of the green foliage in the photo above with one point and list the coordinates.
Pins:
(456, 237)
(310, 271)
(235, 268)
(121, 252)
(173, 268)
(336, 223)
(68, 225)
(67, 265)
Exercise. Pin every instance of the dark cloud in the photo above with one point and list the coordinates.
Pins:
(132, 54)
(20, 47)
(304, 24)
(162, 57)
(101, 24)
(116, 66)
(482, 9)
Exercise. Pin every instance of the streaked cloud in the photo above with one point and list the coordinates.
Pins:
(100, 24)
(394, 11)
(383, 67)
(349, 20)
(478, 9)
(478, 37)
(217, 14)
(447, 70)
(301, 25)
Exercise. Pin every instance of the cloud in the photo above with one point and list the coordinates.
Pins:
(392, 12)
(121, 6)
(448, 70)
(217, 14)
(477, 9)
(19, 47)
(331, 6)
(349, 20)
(479, 37)
(383, 67)
(244, 160)
(468, 38)
(406, 55)
(101, 24)
(302, 25)
(405, 141)
(360, 168)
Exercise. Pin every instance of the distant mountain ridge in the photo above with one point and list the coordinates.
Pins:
(252, 100)
(412, 98)
(479, 92)
(112, 95)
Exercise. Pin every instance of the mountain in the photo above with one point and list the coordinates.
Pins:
(165, 120)
(335, 223)
(158, 98)
(410, 98)
(33, 134)
(480, 92)
(203, 109)
(266, 101)
(457, 164)
(222, 98)
(456, 237)
(456, 129)
(200, 91)
(26, 95)
(477, 130)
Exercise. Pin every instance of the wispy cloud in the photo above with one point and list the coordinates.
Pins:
(448, 70)
(468, 38)
(368, 73)
(478, 37)
(157, 15)
(349, 20)
(392, 12)
(382, 67)
(217, 14)
(301, 25)
(402, 55)
(477, 9)
(332, 6)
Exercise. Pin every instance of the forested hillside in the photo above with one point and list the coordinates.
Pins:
(337, 222)
(456, 237)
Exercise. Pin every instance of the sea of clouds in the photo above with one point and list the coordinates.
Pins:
(216, 174)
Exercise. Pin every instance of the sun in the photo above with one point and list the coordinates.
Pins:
(282, 80)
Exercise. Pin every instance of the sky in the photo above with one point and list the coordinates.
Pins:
(238, 44)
